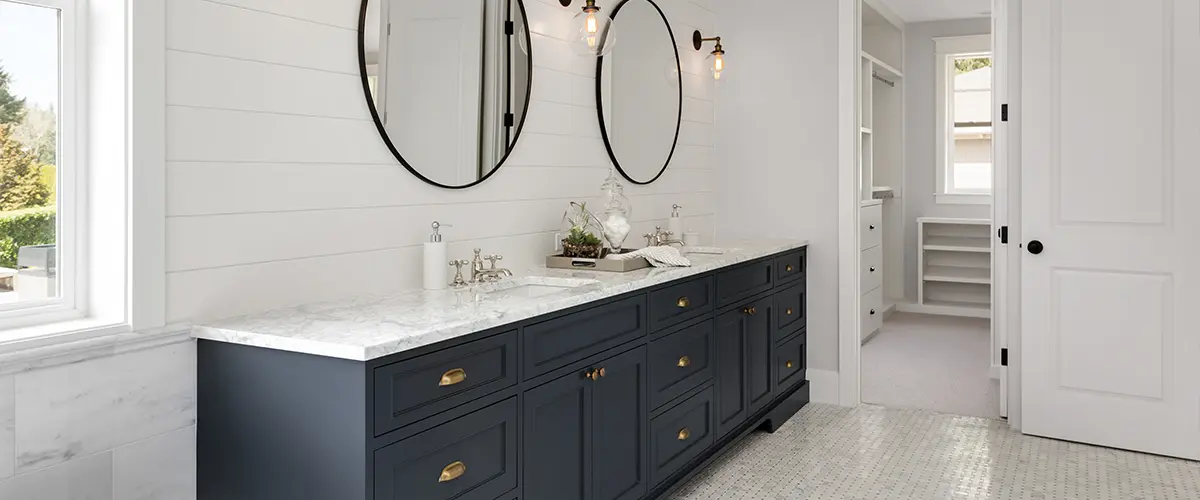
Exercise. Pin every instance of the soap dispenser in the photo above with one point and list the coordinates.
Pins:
(675, 224)
(435, 260)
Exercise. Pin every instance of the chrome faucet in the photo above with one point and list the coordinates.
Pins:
(659, 238)
(480, 275)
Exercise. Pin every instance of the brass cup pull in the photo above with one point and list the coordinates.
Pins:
(684, 362)
(750, 310)
(789, 311)
(789, 363)
(789, 268)
(452, 377)
(684, 302)
(452, 472)
(684, 434)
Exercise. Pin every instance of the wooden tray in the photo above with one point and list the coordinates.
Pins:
(605, 265)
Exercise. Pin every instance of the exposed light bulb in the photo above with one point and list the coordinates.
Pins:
(592, 26)
(719, 63)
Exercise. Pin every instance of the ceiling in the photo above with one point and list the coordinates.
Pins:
(915, 11)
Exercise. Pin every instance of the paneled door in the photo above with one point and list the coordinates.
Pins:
(1111, 251)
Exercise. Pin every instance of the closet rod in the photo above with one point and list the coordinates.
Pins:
(875, 75)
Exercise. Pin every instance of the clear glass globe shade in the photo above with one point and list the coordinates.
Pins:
(596, 34)
(716, 66)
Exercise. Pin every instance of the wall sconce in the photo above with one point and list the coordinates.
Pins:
(717, 56)
(597, 33)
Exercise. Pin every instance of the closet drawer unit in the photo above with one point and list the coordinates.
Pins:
(473, 457)
(681, 434)
(678, 303)
(744, 281)
(871, 275)
(791, 362)
(681, 362)
(421, 387)
(790, 267)
(872, 311)
(566, 339)
(790, 311)
(871, 219)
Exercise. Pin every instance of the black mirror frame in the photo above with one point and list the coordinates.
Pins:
(366, 86)
(600, 99)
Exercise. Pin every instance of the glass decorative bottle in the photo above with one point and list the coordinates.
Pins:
(617, 212)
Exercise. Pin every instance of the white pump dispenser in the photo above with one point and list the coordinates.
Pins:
(436, 257)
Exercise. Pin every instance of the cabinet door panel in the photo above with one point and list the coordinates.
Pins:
(731, 371)
(759, 343)
(619, 434)
(557, 436)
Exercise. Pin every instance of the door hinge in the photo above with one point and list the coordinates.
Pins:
(1004, 235)
(510, 28)
(1003, 112)
(1004, 357)
(389, 29)
(509, 119)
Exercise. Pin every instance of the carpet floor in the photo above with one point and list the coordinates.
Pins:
(936, 363)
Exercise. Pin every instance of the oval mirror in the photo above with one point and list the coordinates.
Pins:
(639, 92)
(447, 82)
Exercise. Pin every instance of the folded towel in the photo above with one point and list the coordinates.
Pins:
(658, 256)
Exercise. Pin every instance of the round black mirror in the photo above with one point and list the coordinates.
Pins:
(447, 82)
(639, 93)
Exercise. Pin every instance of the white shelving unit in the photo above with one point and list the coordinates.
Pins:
(955, 266)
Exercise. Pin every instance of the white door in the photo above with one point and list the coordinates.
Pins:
(434, 75)
(1110, 187)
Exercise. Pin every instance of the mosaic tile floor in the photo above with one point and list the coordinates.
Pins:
(868, 453)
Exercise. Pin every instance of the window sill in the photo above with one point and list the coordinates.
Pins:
(24, 349)
(962, 199)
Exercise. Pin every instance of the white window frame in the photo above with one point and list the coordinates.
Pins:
(947, 49)
(70, 110)
(113, 228)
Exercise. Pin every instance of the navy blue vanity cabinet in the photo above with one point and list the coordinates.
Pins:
(623, 398)
(585, 433)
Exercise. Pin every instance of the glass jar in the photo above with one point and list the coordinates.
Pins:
(614, 220)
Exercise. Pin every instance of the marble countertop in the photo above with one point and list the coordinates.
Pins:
(373, 326)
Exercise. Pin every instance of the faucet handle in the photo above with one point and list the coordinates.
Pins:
(459, 281)
(493, 258)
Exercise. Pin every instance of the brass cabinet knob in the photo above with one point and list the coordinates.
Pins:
(601, 372)
(789, 363)
(684, 362)
(452, 377)
(788, 311)
(592, 374)
(788, 268)
(452, 472)
(684, 302)
(750, 310)
(684, 434)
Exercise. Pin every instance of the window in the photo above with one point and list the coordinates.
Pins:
(37, 157)
(964, 122)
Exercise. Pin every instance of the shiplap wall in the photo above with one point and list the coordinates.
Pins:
(281, 192)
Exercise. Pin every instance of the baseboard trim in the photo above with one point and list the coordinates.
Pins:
(824, 386)
(965, 312)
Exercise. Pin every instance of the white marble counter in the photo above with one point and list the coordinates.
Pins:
(369, 327)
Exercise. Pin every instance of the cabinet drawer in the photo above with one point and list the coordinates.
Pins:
(871, 219)
(681, 434)
(470, 458)
(791, 310)
(566, 339)
(872, 312)
(678, 303)
(791, 362)
(871, 275)
(681, 362)
(790, 267)
(424, 386)
(744, 281)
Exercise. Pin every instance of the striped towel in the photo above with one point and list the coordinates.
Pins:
(658, 257)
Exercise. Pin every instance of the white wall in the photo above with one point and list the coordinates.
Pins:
(777, 115)
(920, 115)
(108, 420)
(280, 191)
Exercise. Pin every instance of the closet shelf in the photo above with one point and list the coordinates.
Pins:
(958, 244)
(948, 274)
(885, 69)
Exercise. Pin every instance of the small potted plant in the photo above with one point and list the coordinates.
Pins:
(580, 241)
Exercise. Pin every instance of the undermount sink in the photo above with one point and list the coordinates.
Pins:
(533, 286)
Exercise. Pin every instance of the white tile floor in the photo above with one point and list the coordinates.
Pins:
(833, 453)
(936, 363)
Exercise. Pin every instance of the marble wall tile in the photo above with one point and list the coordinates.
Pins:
(159, 468)
(97, 405)
(8, 422)
(88, 478)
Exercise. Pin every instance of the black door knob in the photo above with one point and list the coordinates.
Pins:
(1035, 247)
